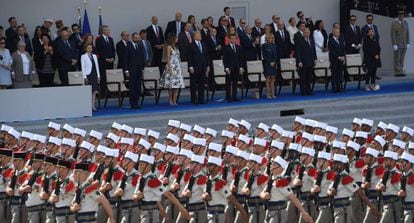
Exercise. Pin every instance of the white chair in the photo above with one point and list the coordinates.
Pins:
(289, 72)
(322, 70)
(150, 78)
(115, 85)
(255, 75)
(76, 78)
(220, 78)
(354, 67)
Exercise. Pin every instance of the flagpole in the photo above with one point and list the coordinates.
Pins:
(79, 18)
(100, 20)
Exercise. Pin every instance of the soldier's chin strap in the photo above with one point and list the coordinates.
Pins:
(125, 167)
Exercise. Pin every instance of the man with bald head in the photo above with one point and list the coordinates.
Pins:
(257, 32)
(121, 48)
(176, 26)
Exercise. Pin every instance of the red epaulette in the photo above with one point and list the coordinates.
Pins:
(187, 176)
(380, 160)
(246, 175)
(347, 180)
(91, 188)
(264, 161)
(117, 145)
(161, 166)
(39, 179)
(261, 179)
(297, 168)
(53, 184)
(410, 180)
(298, 138)
(154, 182)
(312, 172)
(175, 169)
(202, 180)
(316, 175)
(359, 163)
(104, 176)
(234, 141)
(8, 173)
(120, 159)
(282, 183)
(331, 175)
(219, 185)
(92, 168)
(135, 180)
(22, 178)
(69, 187)
(396, 177)
(117, 175)
(234, 170)
(362, 152)
(369, 139)
(379, 171)
(29, 156)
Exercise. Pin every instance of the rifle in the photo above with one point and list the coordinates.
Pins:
(318, 183)
(268, 168)
(403, 185)
(269, 185)
(57, 188)
(168, 170)
(109, 178)
(300, 177)
(141, 188)
(384, 181)
(118, 206)
(225, 173)
(30, 183)
(99, 172)
(46, 184)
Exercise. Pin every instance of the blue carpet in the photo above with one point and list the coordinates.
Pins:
(285, 96)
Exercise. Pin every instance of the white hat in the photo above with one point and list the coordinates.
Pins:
(129, 141)
(408, 157)
(113, 137)
(14, 133)
(227, 134)
(361, 134)
(144, 143)
(367, 122)
(68, 128)
(5, 128)
(88, 146)
(340, 158)
(245, 123)
(55, 141)
(54, 125)
(131, 156)
(159, 147)
(80, 132)
(300, 120)
(146, 158)
(307, 136)
(380, 140)
(264, 127)
(101, 149)
(112, 152)
(211, 132)
(48, 20)
(332, 129)
(318, 138)
(391, 155)
(277, 128)
(310, 123)
(393, 128)
(338, 144)
(173, 137)
(172, 149)
(410, 145)
(372, 152)
(321, 125)
(69, 142)
(198, 159)
(260, 142)
(232, 150)
(96, 134)
(357, 121)
(353, 145)
(233, 122)
(39, 138)
(277, 144)
(215, 147)
(243, 154)
(382, 125)
(309, 151)
(399, 143)
(188, 137)
(187, 153)
(324, 155)
(174, 123)
(256, 158)
(127, 128)
(116, 125)
(244, 138)
(185, 127)
(287, 134)
(348, 132)
(140, 131)
(27, 135)
(154, 134)
(199, 129)
(215, 160)
(294, 146)
(408, 130)
(200, 141)
(280, 161)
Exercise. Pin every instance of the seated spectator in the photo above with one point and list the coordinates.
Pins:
(22, 68)
(5, 65)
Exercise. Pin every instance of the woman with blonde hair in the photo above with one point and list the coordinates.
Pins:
(270, 64)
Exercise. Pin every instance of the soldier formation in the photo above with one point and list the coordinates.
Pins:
(313, 173)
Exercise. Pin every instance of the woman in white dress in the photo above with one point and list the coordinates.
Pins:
(172, 77)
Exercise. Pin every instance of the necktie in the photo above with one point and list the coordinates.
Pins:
(135, 46)
(283, 35)
(178, 28)
(353, 28)
(199, 47)
(22, 38)
(145, 50)
(307, 40)
(67, 43)
(258, 30)
(234, 48)
(156, 32)
(106, 39)
(337, 41)
(189, 37)
(214, 41)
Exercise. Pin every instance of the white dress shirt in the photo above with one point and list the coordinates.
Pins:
(318, 37)
(26, 64)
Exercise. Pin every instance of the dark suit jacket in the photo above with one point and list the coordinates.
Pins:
(221, 33)
(29, 47)
(233, 61)
(105, 50)
(134, 59)
(204, 35)
(121, 50)
(352, 37)
(149, 50)
(371, 48)
(306, 53)
(11, 34)
(256, 33)
(365, 29)
(152, 37)
(76, 38)
(336, 50)
(183, 45)
(249, 48)
(172, 28)
(211, 48)
(284, 46)
(198, 60)
(64, 54)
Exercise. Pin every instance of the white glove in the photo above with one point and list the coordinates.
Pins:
(395, 47)
(408, 45)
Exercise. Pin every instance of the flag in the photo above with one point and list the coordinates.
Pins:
(100, 24)
(86, 28)
(80, 21)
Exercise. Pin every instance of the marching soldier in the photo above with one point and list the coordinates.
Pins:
(111, 140)
(6, 172)
(228, 168)
(347, 135)
(173, 127)
(158, 151)
(244, 127)
(275, 132)
(26, 141)
(139, 133)
(187, 141)
(67, 148)
(262, 130)
(53, 145)
(67, 131)
(48, 185)
(95, 137)
(240, 179)
(244, 143)
(53, 129)
(85, 151)
(406, 191)
(198, 131)
(210, 135)
(12, 139)
(407, 134)
(153, 136)
(232, 125)
(214, 149)
(184, 129)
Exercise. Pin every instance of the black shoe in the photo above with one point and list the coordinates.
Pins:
(310, 93)
(400, 75)
(236, 100)
(378, 78)
(135, 107)
(148, 93)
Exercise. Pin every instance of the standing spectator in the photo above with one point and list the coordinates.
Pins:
(2, 32)
(292, 29)
(222, 28)
(233, 66)
(215, 52)
(121, 48)
(47, 23)
(400, 37)
(22, 37)
(257, 32)
(5, 65)
(175, 26)
(274, 24)
(372, 61)
(198, 66)
(307, 21)
(352, 37)
(210, 22)
(133, 66)
(320, 37)
(45, 61)
(370, 25)
(76, 38)
(336, 47)
(90, 71)
(227, 15)
(305, 61)
(298, 37)
(270, 64)
(192, 20)
(227, 39)
(105, 49)
(184, 40)
(59, 25)
(22, 67)
(66, 56)
(172, 78)
(37, 38)
(11, 33)
(248, 44)
(87, 39)
(267, 30)
(156, 38)
(204, 30)
(241, 29)
(282, 39)
(146, 45)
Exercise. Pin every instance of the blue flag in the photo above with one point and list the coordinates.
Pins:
(86, 28)
(100, 24)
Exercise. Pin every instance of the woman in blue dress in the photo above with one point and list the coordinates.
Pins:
(270, 64)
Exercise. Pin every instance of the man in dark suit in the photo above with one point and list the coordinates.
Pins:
(204, 30)
(233, 66)
(184, 40)
(370, 25)
(146, 45)
(227, 15)
(215, 52)
(282, 39)
(77, 40)
(21, 37)
(352, 36)
(198, 66)
(133, 66)
(308, 21)
(156, 38)
(248, 44)
(299, 35)
(11, 33)
(274, 24)
(336, 47)
(222, 28)
(257, 32)
(105, 49)
(305, 61)
(240, 30)
(66, 56)
(176, 26)
(121, 48)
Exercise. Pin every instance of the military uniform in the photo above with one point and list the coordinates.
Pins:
(219, 194)
(152, 189)
(407, 185)
(391, 203)
(356, 167)
(18, 209)
(129, 208)
(276, 206)
(323, 201)
(87, 193)
(6, 173)
(48, 185)
(65, 191)
(373, 178)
